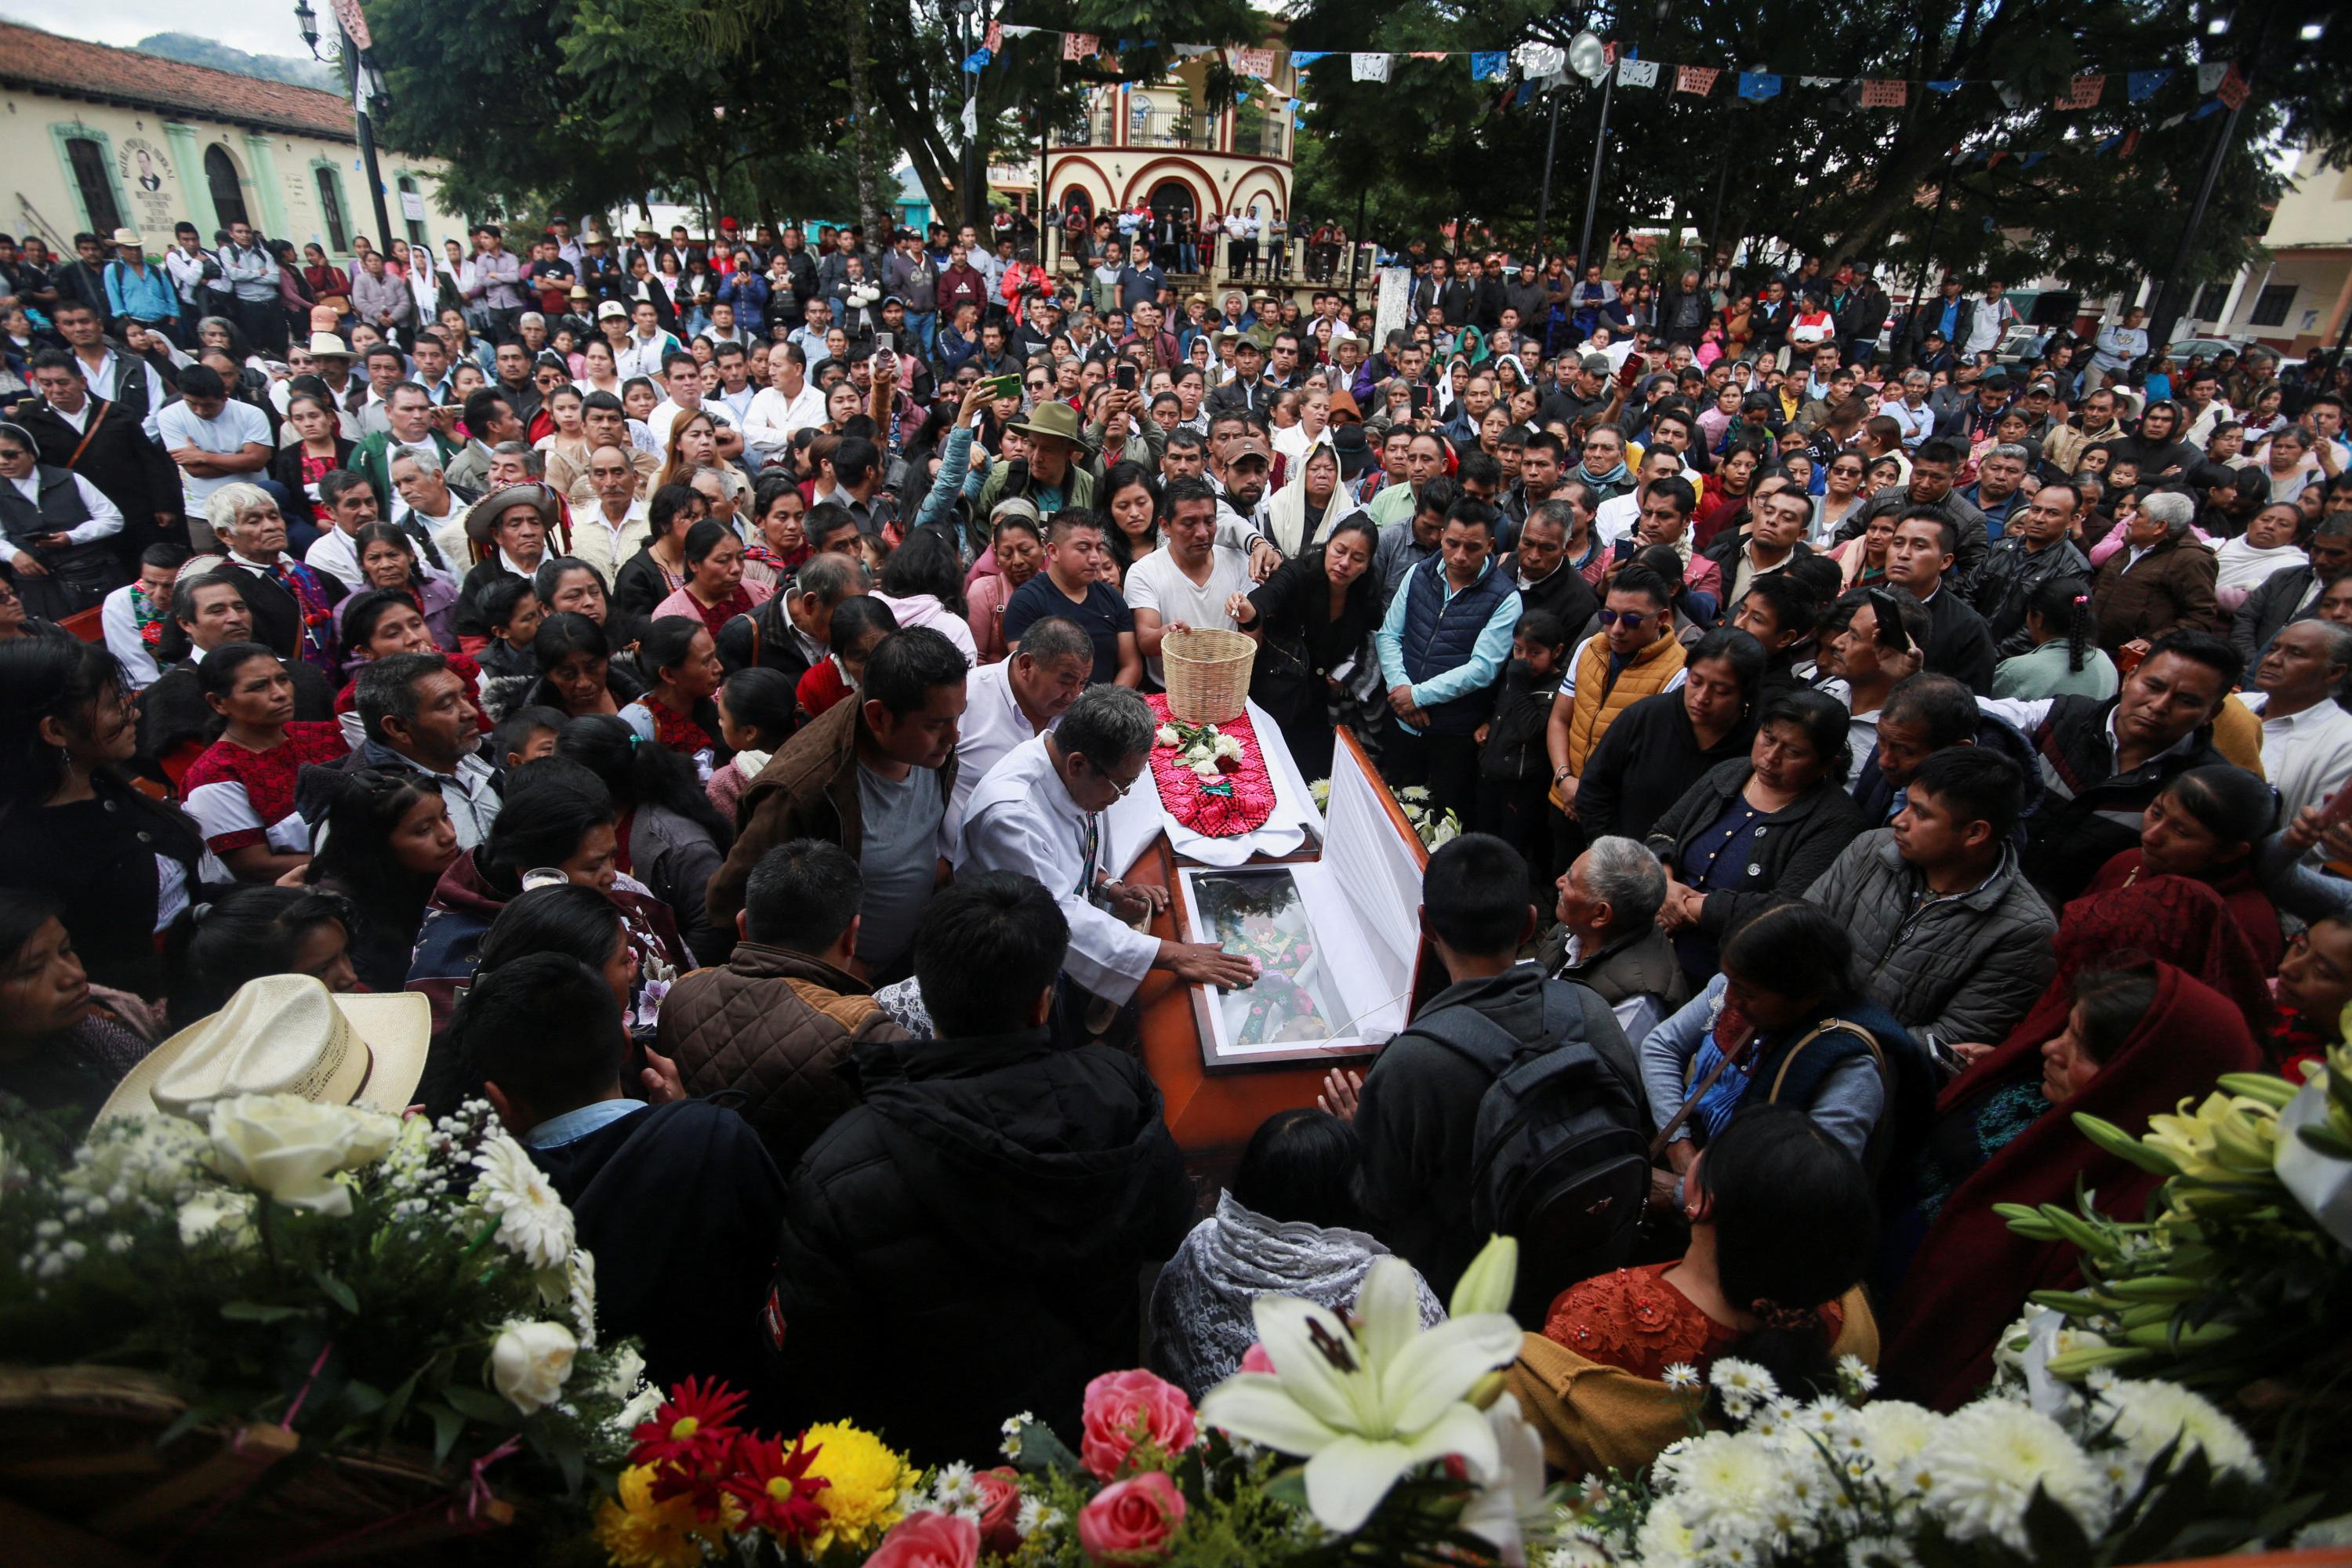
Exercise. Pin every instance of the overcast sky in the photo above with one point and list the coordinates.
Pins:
(264, 28)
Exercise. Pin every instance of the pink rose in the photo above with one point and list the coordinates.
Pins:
(1254, 1358)
(1132, 1520)
(929, 1541)
(1124, 1408)
(999, 1508)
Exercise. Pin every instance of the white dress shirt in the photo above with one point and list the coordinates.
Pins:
(105, 517)
(2307, 756)
(1022, 819)
(774, 419)
(992, 726)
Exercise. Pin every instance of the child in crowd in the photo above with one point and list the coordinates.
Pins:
(1514, 770)
(857, 625)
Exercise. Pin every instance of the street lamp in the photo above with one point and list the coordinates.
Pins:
(1589, 57)
(356, 70)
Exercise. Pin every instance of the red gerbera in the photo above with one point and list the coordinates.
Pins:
(778, 1493)
(693, 1429)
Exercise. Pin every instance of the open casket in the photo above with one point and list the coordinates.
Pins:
(1331, 914)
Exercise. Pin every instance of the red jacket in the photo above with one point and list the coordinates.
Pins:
(963, 284)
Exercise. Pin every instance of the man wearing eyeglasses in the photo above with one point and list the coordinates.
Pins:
(1039, 812)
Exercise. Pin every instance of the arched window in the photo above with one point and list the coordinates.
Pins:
(228, 191)
(415, 225)
(331, 209)
(89, 161)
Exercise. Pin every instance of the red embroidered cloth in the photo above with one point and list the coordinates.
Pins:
(1238, 802)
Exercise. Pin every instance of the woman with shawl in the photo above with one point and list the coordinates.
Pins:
(2195, 983)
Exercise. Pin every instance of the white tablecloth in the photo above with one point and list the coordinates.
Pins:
(1140, 817)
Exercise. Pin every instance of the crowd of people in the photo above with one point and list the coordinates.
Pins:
(701, 671)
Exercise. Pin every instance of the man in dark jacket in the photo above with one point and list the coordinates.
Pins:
(778, 1021)
(1920, 558)
(1930, 485)
(1418, 1109)
(965, 1243)
(676, 1203)
(2292, 593)
(2034, 549)
(1949, 936)
(2103, 763)
(102, 442)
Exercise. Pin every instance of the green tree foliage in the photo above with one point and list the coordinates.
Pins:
(1811, 171)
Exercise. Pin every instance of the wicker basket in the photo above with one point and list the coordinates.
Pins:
(1208, 673)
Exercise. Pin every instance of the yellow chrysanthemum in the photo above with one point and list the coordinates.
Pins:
(868, 1482)
(639, 1532)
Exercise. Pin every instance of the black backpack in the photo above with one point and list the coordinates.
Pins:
(1559, 1153)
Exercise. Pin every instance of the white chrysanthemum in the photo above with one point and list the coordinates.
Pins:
(1897, 1431)
(1010, 1447)
(1035, 1516)
(1681, 1376)
(2149, 1413)
(1664, 1540)
(1987, 1459)
(1854, 1370)
(1879, 1551)
(534, 1224)
(1729, 1484)
(1578, 1552)
(1741, 1384)
(638, 1410)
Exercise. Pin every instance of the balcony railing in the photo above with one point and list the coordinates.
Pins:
(1173, 128)
(1267, 139)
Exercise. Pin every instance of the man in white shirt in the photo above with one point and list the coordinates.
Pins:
(1619, 516)
(119, 617)
(1039, 814)
(681, 377)
(646, 345)
(2306, 738)
(425, 494)
(735, 389)
(786, 405)
(1190, 583)
(108, 372)
(614, 523)
(1015, 699)
(1993, 316)
(214, 439)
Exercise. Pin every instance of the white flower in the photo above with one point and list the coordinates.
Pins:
(1415, 793)
(534, 1224)
(639, 1410)
(1856, 1374)
(1366, 1406)
(1227, 746)
(1879, 1551)
(1013, 1427)
(580, 1277)
(2148, 1415)
(623, 1373)
(1511, 1497)
(292, 1148)
(1742, 1384)
(530, 1361)
(1165, 735)
(1035, 1516)
(1729, 1486)
(217, 1215)
(1206, 772)
(1896, 1433)
(1682, 1376)
(1989, 1458)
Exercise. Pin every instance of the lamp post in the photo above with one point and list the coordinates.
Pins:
(356, 72)
(1588, 58)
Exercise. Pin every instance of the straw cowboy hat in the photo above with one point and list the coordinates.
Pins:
(129, 236)
(482, 521)
(286, 1034)
(1057, 419)
(327, 345)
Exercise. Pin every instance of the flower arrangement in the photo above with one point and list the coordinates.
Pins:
(1212, 778)
(2239, 1280)
(2120, 1472)
(358, 1279)
(1432, 828)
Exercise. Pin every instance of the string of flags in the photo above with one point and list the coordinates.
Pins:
(1535, 66)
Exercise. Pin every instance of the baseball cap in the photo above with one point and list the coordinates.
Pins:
(1598, 364)
(1250, 446)
(610, 308)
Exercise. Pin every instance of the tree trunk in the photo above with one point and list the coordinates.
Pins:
(865, 150)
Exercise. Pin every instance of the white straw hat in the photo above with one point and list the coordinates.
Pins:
(286, 1034)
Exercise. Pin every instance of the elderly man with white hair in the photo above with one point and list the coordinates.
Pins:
(1608, 936)
(2161, 579)
(293, 606)
(426, 495)
(1039, 812)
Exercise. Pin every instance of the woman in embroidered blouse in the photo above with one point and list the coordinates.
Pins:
(716, 590)
(680, 655)
(1783, 1227)
(241, 790)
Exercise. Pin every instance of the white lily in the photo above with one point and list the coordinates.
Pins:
(1364, 1407)
(1511, 1498)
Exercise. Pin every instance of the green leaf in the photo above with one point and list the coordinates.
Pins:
(447, 1426)
(2179, 1500)
(336, 1291)
(1042, 1452)
(259, 1312)
(478, 1405)
(2056, 1536)
(363, 1398)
